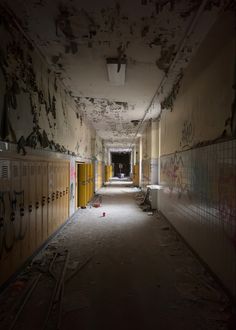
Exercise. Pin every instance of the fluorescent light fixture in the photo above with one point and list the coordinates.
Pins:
(116, 69)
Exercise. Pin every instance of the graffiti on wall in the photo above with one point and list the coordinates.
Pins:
(187, 134)
(207, 177)
(172, 173)
(227, 200)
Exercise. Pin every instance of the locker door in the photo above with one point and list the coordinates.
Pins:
(93, 180)
(50, 199)
(44, 200)
(60, 174)
(67, 176)
(17, 200)
(82, 185)
(6, 226)
(25, 232)
(38, 204)
(31, 206)
(55, 199)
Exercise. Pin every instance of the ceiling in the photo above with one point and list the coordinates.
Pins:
(76, 37)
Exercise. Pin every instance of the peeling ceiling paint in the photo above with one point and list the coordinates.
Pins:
(77, 36)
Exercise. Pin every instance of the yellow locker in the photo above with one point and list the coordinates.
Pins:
(51, 197)
(25, 233)
(111, 170)
(56, 196)
(87, 181)
(38, 204)
(62, 216)
(66, 183)
(16, 202)
(31, 206)
(92, 180)
(106, 173)
(44, 200)
(6, 228)
(82, 195)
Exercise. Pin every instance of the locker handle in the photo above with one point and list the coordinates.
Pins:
(22, 211)
(30, 208)
(37, 205)
(1, 222)
(13, 216)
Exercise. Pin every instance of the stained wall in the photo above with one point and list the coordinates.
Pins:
(198, 154)
(44, 135)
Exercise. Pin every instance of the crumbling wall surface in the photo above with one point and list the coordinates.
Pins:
(146, 154)
(35, 109)
(150, 153)
(198, 153)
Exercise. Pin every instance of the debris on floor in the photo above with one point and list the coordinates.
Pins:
(132, 271)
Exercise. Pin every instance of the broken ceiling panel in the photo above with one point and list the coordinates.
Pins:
(77, 37)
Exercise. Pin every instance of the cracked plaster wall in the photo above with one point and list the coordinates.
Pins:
(35, 108)
(202, 111)
(197, 163)
(150, 153)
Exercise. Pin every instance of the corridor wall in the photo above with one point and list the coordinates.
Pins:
(40, 124)
(34, 203)
(198, 154)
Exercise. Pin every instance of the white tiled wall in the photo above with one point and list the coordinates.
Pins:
(199, 199)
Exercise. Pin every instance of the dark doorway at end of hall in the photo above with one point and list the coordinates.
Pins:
(121, 163)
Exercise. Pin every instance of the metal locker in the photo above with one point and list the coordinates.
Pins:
(16, 201)
(92, 180)
(6, 226)
(25, 229)
(50, 199)
(55, 197)
(60, 193)
(82, 185)
(65, 197)
(44, 200)
(67, 180)
(87, 183)
(38, 203)
(31, 206)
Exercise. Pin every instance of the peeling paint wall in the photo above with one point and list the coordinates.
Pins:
(35, 108)
(198, 153)
(150, 148)
(202, 112)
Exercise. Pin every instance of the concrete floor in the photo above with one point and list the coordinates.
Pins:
(141, 275)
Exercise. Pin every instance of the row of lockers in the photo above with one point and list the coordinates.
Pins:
(99, 175)
(86, 184)
(108, 172)
(34, 201)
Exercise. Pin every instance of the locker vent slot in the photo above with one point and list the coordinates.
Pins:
(4, 170)
(15, 171)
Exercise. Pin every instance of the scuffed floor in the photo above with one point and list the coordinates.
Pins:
(127, 270)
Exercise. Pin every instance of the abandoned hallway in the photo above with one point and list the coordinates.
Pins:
(117, 164)
(138, 273)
